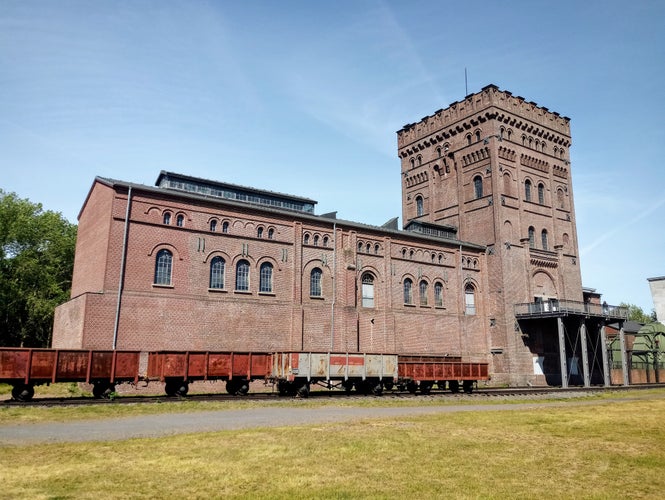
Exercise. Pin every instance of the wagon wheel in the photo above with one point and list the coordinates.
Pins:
(283, 387)
(467, 386)
(412, 386)
(377, 388)
(454, 386)
(232, 386)
(23, 392)
(303, 391)
(347, 385)
(425, 387)
(441, 384)
(176, 388)
(388, 384)
(102, 389)
(243, 388)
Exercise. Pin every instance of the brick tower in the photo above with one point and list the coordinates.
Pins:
(497, 168)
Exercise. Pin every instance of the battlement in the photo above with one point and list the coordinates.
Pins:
(491, 103)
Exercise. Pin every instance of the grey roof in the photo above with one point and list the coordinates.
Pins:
(285, 213)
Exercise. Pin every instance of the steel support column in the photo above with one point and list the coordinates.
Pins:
(562, 354)
(585, 355)
(624, 357)
(607, 381)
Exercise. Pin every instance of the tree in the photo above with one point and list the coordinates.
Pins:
(635, 313)
(36, 264)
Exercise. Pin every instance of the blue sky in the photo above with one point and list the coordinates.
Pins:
(305, 98)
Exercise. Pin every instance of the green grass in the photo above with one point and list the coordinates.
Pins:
(602, 449)
(38, 414)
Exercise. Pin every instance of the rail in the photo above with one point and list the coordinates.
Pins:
(555, 307)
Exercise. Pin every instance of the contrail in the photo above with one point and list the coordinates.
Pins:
(620, 228)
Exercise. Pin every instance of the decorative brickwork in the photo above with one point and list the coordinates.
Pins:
(483, 232)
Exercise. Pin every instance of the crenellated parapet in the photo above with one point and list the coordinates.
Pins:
(535, 163)
(475, 156)
(506, 154)
(490, 103)
(560, 171)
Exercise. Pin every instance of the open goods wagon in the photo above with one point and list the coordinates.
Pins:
(177, 369)
(422, 372)
(23, 368)
(368, 373)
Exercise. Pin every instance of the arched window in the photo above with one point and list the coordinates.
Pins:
(271, 233)
(477, 135)
(532, 237)
(315, 282)
(527, 190)
(376, 249)
(468, 140)
(167, 218)
(265, 278)
(225, 227)
(360, 246)
(316, 240)
(213, 225)
(306, 239)
(368, 248)
(507, 184)
(217, 265)
(438, 294)
(180, 220)
(408, 291)
(242, 276)
(325, 241)
(367, 290)
(478, 186)
(259, 232)
(469, 300)
(543, 237)
(559, 197)
(541, 193)
(423, 293)
(163, 264)
(419, 206)
(419, 160)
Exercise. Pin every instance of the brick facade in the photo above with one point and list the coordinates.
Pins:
(468, 244)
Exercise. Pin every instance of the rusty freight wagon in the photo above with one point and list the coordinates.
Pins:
(177, 369)
(24, 368)
(422, 372)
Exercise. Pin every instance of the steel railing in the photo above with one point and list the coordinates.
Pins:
(554, 307)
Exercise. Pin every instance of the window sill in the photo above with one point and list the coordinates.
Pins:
(317, 297)
(267, 294)
(218, 290)
(410, 305)
(243, 292)
(157, 285)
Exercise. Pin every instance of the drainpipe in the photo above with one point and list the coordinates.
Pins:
(334, 289)
(123, 260)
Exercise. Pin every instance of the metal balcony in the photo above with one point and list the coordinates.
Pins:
(559, 308)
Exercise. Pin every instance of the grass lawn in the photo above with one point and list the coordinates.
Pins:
(597, 450)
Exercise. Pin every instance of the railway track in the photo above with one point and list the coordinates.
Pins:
(479, 394)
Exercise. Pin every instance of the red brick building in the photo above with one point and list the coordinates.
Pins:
(489, 227)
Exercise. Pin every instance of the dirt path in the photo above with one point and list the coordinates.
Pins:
(147, 426)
